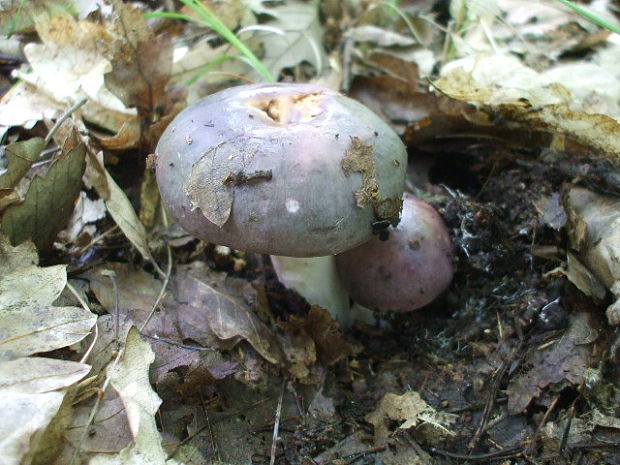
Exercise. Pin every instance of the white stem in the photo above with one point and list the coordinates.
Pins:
(361, 313)
(316, 279)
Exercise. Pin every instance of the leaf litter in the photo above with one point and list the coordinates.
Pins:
(512, 131)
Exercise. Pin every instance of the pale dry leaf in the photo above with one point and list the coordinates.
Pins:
(207, 187)
(130, 378)
(32, 390)
(37, 375)
(29, 323)
(125, 216)
(69, 65)
(86, 211)
(300, 38)
(24, 106)
(408, 410)
(595, 235)
(24, 421)
(503, 86)
(379, 36)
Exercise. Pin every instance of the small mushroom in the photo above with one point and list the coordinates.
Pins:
(294, 170)
(408, 270)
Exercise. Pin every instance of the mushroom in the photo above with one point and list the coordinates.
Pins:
(294, 170)
(408, 270)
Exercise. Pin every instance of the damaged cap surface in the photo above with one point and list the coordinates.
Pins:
(288, 169)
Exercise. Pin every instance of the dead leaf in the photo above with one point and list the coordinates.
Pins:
(29, 323)
(408, 409)
(595, 234)
(502, 85)
(109, 432)
(206, 307)
(296, 37)
(49, 202)
(206, 186)
(69, 65)
(141, 61)
(551, 211)
(222, 303)
(32, 390)
(379, 36)
(19, 157)
(130, 378)
(567, 359)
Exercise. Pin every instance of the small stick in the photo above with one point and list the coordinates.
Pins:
(276, 426)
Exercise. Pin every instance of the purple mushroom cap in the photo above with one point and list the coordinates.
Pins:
(295, 170)
(405, 272)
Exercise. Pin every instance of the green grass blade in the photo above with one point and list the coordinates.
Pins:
(590, 16)
(209, 19)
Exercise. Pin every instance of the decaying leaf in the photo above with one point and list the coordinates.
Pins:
(408, 409)
(503, 85)
(141, 61)
(295, 35)
(109, 432)
(130, 378)
(49, 201)
(595, 234)
(20, 156)
(205, 307)
(551, 211)
(225, 306)
(206, 186)
(29, 323)
(567, 359)
(32, 390)
(311, 343)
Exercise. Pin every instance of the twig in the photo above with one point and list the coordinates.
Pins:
(216, 452)
(276, 426)
(97, 239)
(530, 448)
(95, 409)
(351, 458)
(506, 453)
(86, 307)
(112, 275)
(63, 118)
(491, 398)
(162, 291)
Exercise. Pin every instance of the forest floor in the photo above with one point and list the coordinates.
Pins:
(124, 340)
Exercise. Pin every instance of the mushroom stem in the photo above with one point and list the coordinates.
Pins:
(316, 279)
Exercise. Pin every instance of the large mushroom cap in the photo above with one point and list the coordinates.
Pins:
(287, 169)
(405, 272)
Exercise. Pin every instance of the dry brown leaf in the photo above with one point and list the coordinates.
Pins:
(223, 305)
(141, 61)
(566, 360)
(205, 307)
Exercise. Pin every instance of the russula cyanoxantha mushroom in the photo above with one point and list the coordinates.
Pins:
(408, 270)
(294, 170)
